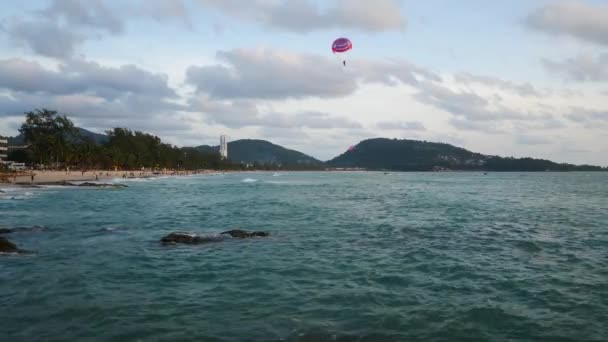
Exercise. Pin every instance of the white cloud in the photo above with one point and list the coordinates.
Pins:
(58, 30)
(401, 125)
(572, 18)
(264, 73)
(478, 126)
(525, 89)
(162, 11)
(532, 140)
(94, 96)
(81, 77)
(584, 67)
(270, 74)
(44, 37)
(464, 104)
(589, 117)
(244, 113)
(304, 16)
(89, 14)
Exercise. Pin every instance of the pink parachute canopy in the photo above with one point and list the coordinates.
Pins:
(341, 45)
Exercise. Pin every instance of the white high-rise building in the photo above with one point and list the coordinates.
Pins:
(3, 149)
(224, 146)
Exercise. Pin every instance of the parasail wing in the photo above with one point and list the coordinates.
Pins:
(341, 45)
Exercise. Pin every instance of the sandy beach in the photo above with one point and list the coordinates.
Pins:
(51, 177)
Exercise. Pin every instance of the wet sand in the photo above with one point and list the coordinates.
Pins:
(57, 177)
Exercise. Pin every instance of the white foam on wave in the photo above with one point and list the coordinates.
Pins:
(249, 180)
(292, 182)
(215, 237)
(16, 196)
(57, 186)
(82, 182)
(16, 193)
(9, 189)
(112, 229)
(137, 180)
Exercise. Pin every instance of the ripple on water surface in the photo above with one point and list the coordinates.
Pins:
(352, 257)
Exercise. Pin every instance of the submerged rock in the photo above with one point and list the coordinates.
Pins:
(241, 234)
(179, 237)
(195, 239)
(29, 185)
(87, 184)
(190, 238)
(22, 229)
(8, 247)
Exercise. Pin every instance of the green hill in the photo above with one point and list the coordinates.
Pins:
(99, 139)
(249, 151)
(412, 155)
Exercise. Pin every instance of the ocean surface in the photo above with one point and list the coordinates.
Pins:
(351, 257)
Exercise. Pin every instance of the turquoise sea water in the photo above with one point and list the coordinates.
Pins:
(352, 257)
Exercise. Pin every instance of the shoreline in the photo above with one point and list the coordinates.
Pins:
(60, 177)
(46, 177)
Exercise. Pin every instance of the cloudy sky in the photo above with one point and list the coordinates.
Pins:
(513, 78)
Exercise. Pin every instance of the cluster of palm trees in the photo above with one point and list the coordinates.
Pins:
(54, 142)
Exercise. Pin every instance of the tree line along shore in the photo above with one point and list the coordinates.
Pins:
(55, 144)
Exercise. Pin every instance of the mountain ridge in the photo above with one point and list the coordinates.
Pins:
(415, 155)
(255, 151)
(371, 154)
(98, 138)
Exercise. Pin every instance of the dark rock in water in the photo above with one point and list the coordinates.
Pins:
(22, 229)
(87, 184)
(194, 239)
(29, 186)
(9, 247)
(241, 234)
(179, 237)
(190, 238)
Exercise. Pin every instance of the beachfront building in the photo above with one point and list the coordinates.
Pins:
(224, 146)
(3, 149)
